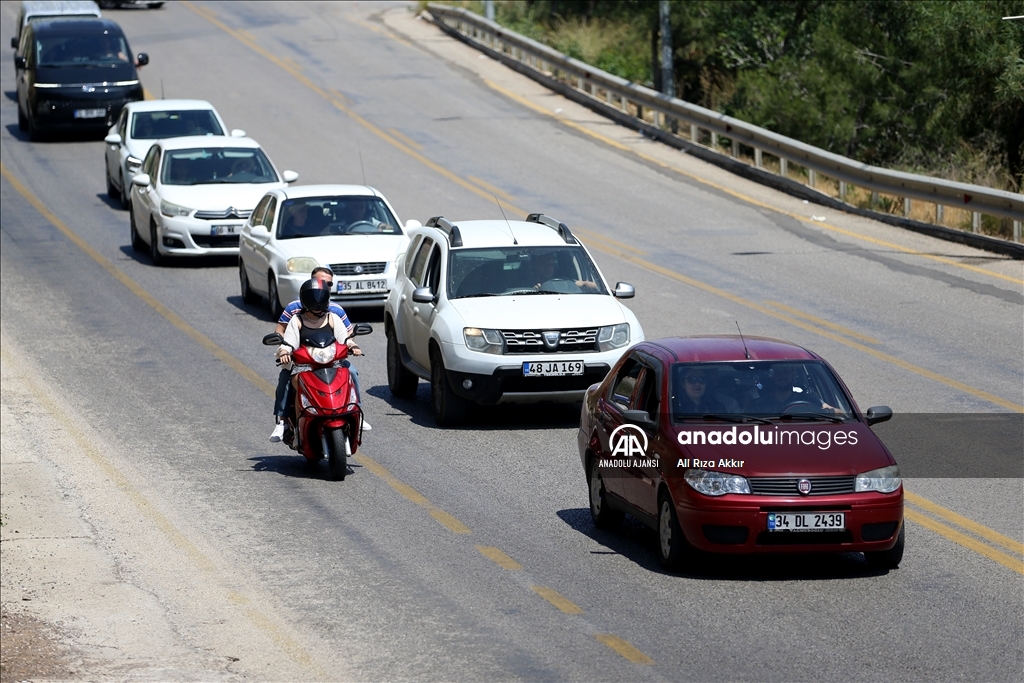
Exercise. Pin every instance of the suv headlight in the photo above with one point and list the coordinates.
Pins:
(484, 341)
(613, 336)
(883, 480)
(716, 483)
(173, 210)
(301, 264)
(133, 164)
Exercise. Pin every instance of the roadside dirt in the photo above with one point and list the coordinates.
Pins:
(31, 649)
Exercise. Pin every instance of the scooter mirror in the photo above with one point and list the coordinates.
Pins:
(362, 328)
(273, 339)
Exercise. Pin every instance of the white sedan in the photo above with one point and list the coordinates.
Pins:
(140, 124)
(351, 229)
(193, 194)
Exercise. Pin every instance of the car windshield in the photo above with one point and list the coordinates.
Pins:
(153, 125)
(504, 271)
(738, 391)
(344, 215)
(217, 165)
(81, 49)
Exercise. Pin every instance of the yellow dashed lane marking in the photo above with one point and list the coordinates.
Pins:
(499, 558)
(964, 523)
(557, 599)
(624, 648)
(824, 323)
(966, 541)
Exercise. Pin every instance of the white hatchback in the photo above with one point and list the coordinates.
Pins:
(192, 195)
(352, 229)
(142, 123)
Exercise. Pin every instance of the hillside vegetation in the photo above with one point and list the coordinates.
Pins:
(934, 87)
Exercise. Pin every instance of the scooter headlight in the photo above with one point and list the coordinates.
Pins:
(323, 356)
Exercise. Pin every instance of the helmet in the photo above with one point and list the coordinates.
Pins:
(315, 296)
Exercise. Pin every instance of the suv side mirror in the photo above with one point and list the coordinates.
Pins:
(878, 414)
(237, 133)
(273, 339)
(112, 139)
(259, 231)
(423, 295)
(19, 62)
(290, 176)
(142, 59)
(412, 224)
(624, 290)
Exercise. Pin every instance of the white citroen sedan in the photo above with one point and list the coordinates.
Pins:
(351, 229)
(143, 122)
(193, 194)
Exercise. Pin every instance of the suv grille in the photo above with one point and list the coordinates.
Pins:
(786, 486)
(532, 341)
(230, 212)
(359, 268)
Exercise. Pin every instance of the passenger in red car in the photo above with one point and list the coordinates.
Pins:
(697, 399)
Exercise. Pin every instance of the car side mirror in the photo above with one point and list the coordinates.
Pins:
(142, 59)
(290, 176)
(273, 339)
(19, 62)
(624, 290)
(142, 180)
(878, 414)
(112, 139)
(640, 418)
(237, 133)
(361, 329)
(423, 295)
(412, 224)
(259, 231)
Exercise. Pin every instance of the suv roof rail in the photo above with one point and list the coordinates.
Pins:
(561, 228)
(450, 230)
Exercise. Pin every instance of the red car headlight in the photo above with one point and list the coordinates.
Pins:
(716, 483)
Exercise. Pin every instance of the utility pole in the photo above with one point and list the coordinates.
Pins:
(668, 81)
(489, 9)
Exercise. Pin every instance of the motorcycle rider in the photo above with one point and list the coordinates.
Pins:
(284, 396)
(315, 298)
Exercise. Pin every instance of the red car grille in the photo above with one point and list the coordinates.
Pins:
(787, 486)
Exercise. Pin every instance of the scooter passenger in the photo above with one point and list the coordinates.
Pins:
(315, 298)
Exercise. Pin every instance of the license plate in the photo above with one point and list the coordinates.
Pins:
(90, 113)
(806, 521)
(560, 368)
(360, 286)
(224, 229)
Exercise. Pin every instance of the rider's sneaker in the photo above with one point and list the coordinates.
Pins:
(278, 432)
(366, 426)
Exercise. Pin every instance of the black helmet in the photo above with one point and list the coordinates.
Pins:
(315, 296)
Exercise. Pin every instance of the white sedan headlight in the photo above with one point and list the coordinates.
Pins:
(716, 483)
(883, 480)
(173, 210)
(301, 264)
(613, 336)
(323, 356)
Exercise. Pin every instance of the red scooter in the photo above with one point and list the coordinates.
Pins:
(330, 422)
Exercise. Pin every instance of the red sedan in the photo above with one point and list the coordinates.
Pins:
(740, 445)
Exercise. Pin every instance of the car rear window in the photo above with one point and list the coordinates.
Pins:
(154, 125)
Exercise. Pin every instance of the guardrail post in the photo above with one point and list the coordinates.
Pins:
(908, 206)
(975, 222)
(842, 191)
(736, 148)
(811, 177)
(874, 199)
(758, 161)
(1016, 231)
(714, 141)
(939, 210)
(693, 133)
(783, 167)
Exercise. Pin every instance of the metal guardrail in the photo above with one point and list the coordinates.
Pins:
(630, 99)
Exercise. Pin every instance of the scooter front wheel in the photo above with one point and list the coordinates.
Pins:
(338, 451)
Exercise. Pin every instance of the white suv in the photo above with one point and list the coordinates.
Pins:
(502, 312)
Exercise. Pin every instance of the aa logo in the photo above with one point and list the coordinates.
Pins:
(628, 441)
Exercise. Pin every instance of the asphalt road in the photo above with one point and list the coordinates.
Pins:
(468, 554)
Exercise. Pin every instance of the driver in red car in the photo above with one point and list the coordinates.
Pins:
(783, 391)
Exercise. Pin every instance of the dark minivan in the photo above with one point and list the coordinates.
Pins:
(74, 74)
